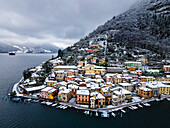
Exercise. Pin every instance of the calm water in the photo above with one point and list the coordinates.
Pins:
(17, 115)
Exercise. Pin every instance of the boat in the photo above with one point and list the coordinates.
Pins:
(35, 101)
(43, 102)
(16, 99)
(49, 103)
(140, 106)
(123, 111)
(64, 107)
(157, 99)
(168, 99)
(105, 115)
(96, 114)
(91, 113)
(130, 108)
(134, 107)
(12, 53)
(114, 115)
(146, 104)
(53, 105)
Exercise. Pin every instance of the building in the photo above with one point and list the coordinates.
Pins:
(83, 96)
(81, 63)
(154, 86)
(56, 68)
(131, 69)
(126, 86)
(60, 75)
(145, 92)
(48, 93)
(166, 67)
(132, 64)
(152, 72)
(164, 89)
(143, 68)
(115, 100)
(64, 95)
(143, 60)
(146, 78)
(102, 61)
(92, 102)
(100, 100)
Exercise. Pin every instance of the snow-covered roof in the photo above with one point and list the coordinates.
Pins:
(82, 92)
(35, 88)
(144, 89)
(125, 84)
(100, 96)
(66, 67)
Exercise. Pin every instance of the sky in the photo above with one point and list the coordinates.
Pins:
(62, 22)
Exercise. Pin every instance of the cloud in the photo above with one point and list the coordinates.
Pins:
(62, 22)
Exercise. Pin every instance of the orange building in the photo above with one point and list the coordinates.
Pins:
(145, 92)
(166, 67)
(131, 69)
(83, 97)
(67, 78)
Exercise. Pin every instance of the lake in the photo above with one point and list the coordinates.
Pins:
(35, 115)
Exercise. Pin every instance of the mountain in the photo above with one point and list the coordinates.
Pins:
(144, 25)
(6, 47)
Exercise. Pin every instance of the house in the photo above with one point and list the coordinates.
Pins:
(139, 72)
(99, 70)
(164, 89)
(121, 93)
(146, 78)
(145, 92)
(126, 86)
(93, 59)
(89, 71)
(62, 67)
(51, 93)
(152, 72)
(117, 79)
(115, 100)
(100, 100)
(67, 78)
(143, 68)
(60, 75)
(81, 63)
(89, 50)
(64, 95)
(92, 102)
(166, 67)
(163, 78)
(74, 89)
(131, 68)
(101, 61)
(132, 63)
(50, 82)
(44, 92)
(83, 97)
(143, 60)
(154, 86)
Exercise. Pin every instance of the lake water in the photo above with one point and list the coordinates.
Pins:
(34, 115)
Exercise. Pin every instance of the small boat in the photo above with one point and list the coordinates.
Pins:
(114, 115)
(87, 113)
(123, 111)
(140, 106)
(12, 53)
(168, 99)
(16, 99)
(64, 107)
(146, 104)
(43, 102)
(91, 113)
(53, 105)
(130, 108)
(49, 103)
(96, 114)
(157, 99)
(134, 107)
(35, 101)
(105, 115)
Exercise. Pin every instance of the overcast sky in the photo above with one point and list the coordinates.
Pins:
(62, 22)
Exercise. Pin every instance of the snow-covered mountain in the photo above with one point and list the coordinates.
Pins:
(146, 24)
(28, 48)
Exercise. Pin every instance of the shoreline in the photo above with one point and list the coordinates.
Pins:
(80, 107)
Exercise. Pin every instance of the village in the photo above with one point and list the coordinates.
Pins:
(94, 82)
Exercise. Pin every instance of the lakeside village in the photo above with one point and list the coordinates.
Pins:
(92, 86)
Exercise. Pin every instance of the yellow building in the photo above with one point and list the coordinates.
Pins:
(164, 89)
(93, 60)
(101, 61)
(143, 60)
(145, 92)
(89, 68)
(51, 82)
(48, 93)
(100, 100)
(81, 63)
